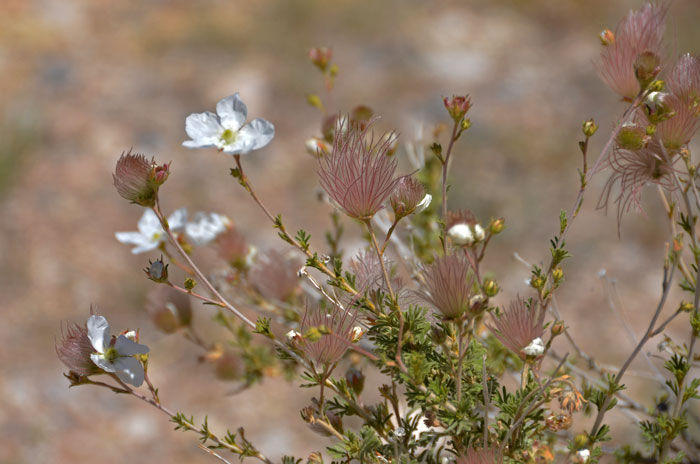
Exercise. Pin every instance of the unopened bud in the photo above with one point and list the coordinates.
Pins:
(159, 174)
(314, 100)
(491, 287)
(457, 106)
(461, 235)
(497, 226)
(317, 147)
(357, 333)
(631, 136)
(479, 233)
(557, 273)
(646, 67)
(157, 271)
(315, 458)
(190, 283)
(607, 37)
(558, 328)
(355, 379)
(686, 306)
(437, 335)
(321, 57)
(589, 128)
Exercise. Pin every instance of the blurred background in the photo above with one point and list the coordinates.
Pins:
(84, 80)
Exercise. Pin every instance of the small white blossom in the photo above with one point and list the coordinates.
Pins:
(357, 333)
(150, 233)
(292, 334)
(317, 147)
(400, 432)
(206, 227)
(479, 233)
(226, 130)
(535, 348)
(119, 357)
(424, 203)
(583, 455)
(461, 234)
(476, 299)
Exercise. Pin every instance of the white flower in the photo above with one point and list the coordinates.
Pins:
(292, 335)
(357, 333)
(479, 233)
(461, 234)
(206, 227)
(117, 358)
(535, 348)
(150, 234)
(476, 299)
(583, 455)
(424, 203)
(226, 129)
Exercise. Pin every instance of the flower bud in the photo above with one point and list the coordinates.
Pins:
(589, 128)
(657, 107)
(497, 226)
(159, 174)
(321, 57)
(457, 106)
(317, 147)
(479, 233)
(157, 271)
(607, 37)
(631, 136)
(461, 235)
(355, 379)
(557, 273)
(315, 458)
(646, 67)
(558, 328)
(686, 306)
(491, 287)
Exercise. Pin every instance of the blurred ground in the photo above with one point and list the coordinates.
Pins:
(83, 80)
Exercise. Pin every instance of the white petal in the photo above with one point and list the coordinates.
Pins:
(205, 227)
(126, 347)
(232, 112)
(203, 128)
(177, 220)
(257, 133)
(129, 370)
(98, 332)
(102, 363)
(133, 238)
(149, 225)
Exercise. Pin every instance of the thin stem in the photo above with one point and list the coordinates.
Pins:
(487, 400)
(187, 424)
(445, 168)
(245, 182)
(197, 272)
(460, 336)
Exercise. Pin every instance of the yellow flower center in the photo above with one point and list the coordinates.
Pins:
(110, 354)
(228, 137)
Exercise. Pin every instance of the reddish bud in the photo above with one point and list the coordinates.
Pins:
(457, 106)
(321, 57)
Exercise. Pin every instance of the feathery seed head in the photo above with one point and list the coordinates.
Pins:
(358, 174)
